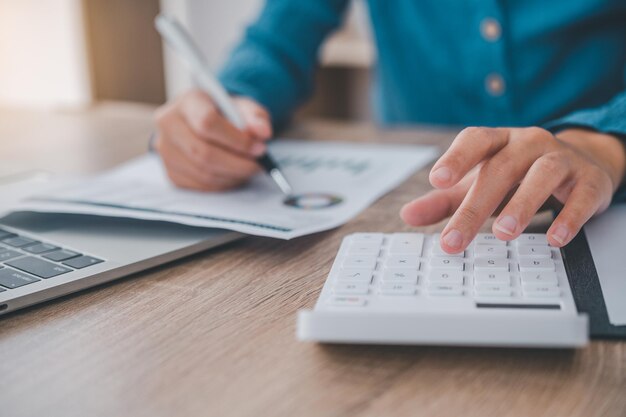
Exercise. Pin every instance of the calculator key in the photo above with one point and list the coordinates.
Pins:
(446, 277)
(545, 291)
(38, 267)
(445, 290)
(492, 277)
(492, 290)
(61, 255)
(40, 248)
(491, 251)
(351, 288)
(359, 261)
(491, 264)
(402, 261)
(488, 239)
(346, 301)
(531, 239)
(407, 243)
(368, 237)
(401, 248)
(19, 241)
(407, 237)
(534, 251)
(10, 278)
(391, 288)
(526, 264)
(543, 277)
(6, 254)
(451, 263)
(356, 275)
(364, 248)
(533, 286)
(437, 251)
(408, 276)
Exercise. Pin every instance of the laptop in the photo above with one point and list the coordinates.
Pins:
(45, 256)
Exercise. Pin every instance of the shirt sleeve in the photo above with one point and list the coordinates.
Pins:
(609, 118)
(275, 61)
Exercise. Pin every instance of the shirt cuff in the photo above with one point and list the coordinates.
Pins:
(610, 118)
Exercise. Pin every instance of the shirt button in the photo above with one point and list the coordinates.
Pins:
(494, 84)
(490, 29)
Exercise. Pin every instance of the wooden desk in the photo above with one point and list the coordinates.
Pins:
(213, 335)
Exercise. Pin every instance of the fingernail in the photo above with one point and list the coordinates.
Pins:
(560, 234)
(258, 149)
(453, 239)
(506, 224)
(442, 174)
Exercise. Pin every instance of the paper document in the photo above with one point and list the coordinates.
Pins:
(333, 182)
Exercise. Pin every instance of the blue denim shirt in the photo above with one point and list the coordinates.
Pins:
(552, 63)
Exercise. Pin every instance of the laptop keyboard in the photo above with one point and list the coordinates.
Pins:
(24, 260)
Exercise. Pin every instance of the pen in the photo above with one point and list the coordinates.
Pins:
(180, 41)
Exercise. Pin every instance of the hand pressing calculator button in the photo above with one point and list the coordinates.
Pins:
(404, 289)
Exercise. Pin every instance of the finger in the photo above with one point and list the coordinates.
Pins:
(436, 205)
(184, 181)
(493, 182)
(544, 176)
(257, 119)
(585, 200)
(208, 123)
(470, 147)
(187, 172)
(205, 155)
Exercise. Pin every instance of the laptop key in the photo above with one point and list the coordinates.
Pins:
(40, 248)
(38, 267)
(19, 241)
(4, 234)
(82, 262)
(7, 254)
(14, 279)
(61, 255)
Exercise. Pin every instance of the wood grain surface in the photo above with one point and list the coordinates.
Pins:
(214, 334)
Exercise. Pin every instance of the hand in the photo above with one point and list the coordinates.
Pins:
(201, 150)
(483, 166)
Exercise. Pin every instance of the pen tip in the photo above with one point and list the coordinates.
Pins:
(282, 182)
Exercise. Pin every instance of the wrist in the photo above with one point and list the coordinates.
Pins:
(605, 150)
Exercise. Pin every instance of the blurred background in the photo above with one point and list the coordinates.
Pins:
(74, 54)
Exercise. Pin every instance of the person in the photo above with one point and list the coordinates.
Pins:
(541, 85)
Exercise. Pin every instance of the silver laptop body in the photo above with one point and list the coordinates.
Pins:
(45, 256)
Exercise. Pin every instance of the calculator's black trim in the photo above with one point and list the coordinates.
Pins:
(520, 306)
(585, 284)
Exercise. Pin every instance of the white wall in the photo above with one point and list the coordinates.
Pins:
(216, 25)
(43, 58)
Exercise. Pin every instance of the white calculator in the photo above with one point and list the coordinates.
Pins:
(403, 289)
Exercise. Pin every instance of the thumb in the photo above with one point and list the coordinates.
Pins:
(256, 117)
(428, 209)
(436, 205)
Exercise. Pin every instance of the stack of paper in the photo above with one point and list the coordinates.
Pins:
(333, 182)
